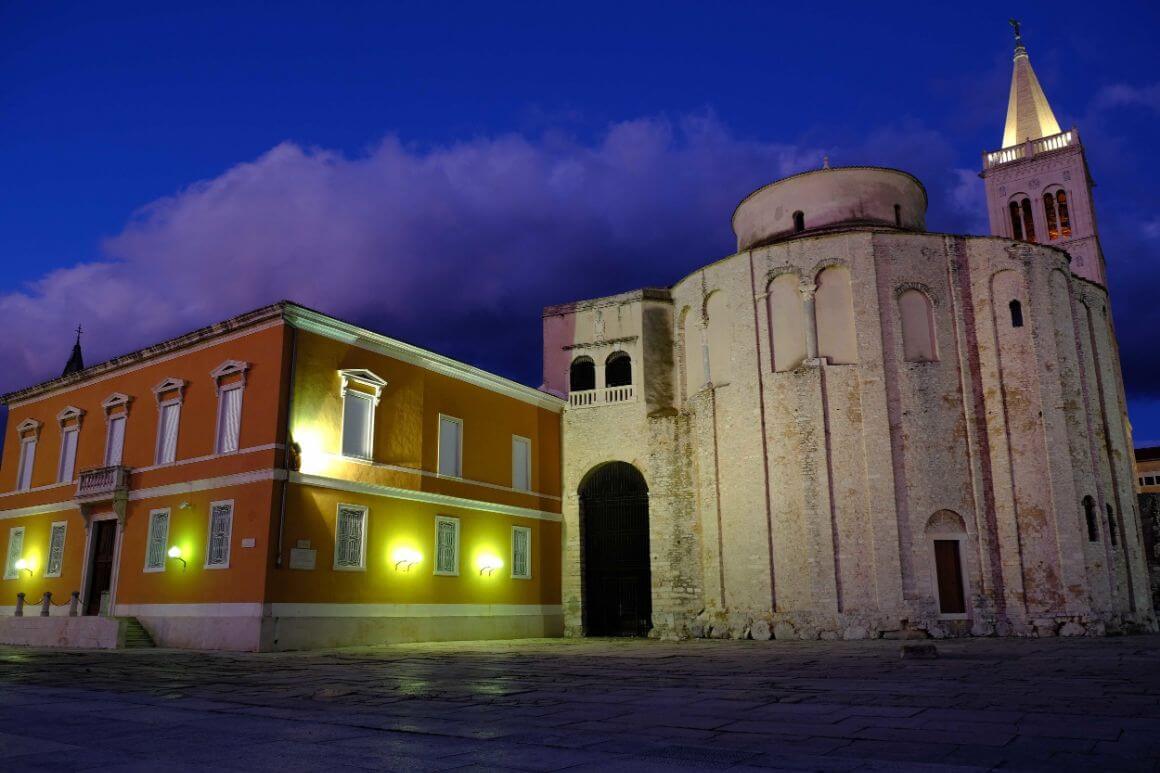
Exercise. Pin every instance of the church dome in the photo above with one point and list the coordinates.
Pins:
(830, 199)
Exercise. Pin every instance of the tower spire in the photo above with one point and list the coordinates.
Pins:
(1029, 116)
(76, 362)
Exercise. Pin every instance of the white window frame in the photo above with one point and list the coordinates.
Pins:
(527, 442)
(10, 559)
(209, 535)
(439, 448)
(60, 464)
(372, 389)
(165, 387)
(455, 523)
(122, 417)
(240, 388)
(165, 543)
(362, 559)
(26, 463)
(525, 530)
(48, 573)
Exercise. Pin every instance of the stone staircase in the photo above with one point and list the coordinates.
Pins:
(135, 634)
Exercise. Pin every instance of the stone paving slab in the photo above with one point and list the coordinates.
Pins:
(546, 705)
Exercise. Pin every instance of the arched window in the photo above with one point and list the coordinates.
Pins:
(787, 322)
(1112, 526)
(834, 310)
(1089, 512)
(1016, 221)
(618, 370)
(1016, 313)
(1049, 209)
(918, 335)
(1022, 222)
(1064, 216)
(799, 222)
(1028, 221)
(582, 375)
(898, 215)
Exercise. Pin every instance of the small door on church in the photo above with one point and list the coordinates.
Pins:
(949, 570)
(617, 573)
(101, 575)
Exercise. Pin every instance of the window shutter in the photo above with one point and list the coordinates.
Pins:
(521, 551)
(521, 464)
(116, 441)
(348, 545)
(55, 550)
(158, 539)
(15, 549)
(450, 437)
(221, 523)
(167, 452)
(68, 455)
(356, 425)
(231, 420)
(27, 458)
(445, 547)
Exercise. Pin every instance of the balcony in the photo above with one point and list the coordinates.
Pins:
(102, 484)
(1031, 148)
(590, 398)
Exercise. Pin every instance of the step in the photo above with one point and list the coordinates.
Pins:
(136, 637)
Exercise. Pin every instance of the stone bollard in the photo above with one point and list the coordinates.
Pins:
(20, 604)
(73, 603)
(46, 604)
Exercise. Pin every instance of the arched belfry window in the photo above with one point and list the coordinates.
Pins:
(618, 370)
(1022, 221)
(1016, 313)
(1064, 215)
(1016, 221)
(799, 221)
(1049, 210)
(582, 375)
(1089, 513)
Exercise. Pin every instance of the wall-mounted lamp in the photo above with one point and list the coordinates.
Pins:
(405, 558)
(488, 565)
(183, 506)
(21, 565)
(175, 553)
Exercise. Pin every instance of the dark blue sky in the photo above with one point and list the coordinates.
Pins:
(468, 163)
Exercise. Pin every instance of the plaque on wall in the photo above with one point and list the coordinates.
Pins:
(301, 558)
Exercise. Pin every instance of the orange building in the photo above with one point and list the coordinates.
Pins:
(280, 480)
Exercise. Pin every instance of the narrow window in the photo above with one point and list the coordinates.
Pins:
(167, 432)
(898, 216)
(799, 222)
(1064, 217)
(1016, 313)
(1150, 480)
(521, 463)
(357, 417)
(114, 440)
(582, 375)
(15, 551)
(68, 454)
(350, 538)
(27, 459)
(221, 526)
(229, 419)
(1093, 527)
(618, 370)
(157, 543)
(450, 446)
(521, 553)
(1049, 209)
(1016, 222)
(55, 560)
(446, 545)
(1028, 221)
(918, 339)
(1112, 536)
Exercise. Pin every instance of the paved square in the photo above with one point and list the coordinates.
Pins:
(1044, 704)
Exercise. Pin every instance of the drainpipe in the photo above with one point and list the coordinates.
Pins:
(288, 439)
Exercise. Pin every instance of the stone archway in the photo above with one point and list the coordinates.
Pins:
(617, 589)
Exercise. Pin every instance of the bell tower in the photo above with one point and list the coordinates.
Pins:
(1038, 185)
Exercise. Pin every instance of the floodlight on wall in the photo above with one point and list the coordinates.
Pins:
(21, 565)
(184, 506)
(175, 553)
(405, 558)
(488, 565)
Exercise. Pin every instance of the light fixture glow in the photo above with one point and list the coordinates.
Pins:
(405, 558)
(175, 553)
(488, 564)
(21, 565)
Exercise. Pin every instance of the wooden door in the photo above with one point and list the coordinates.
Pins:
(949, 569)
(101, 575)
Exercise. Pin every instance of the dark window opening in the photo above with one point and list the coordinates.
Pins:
(1112, 526)
(618, 370)
(1028, 221)
(1016, 223)
(1016, 313)
(1089, 512)
(898, 216)
(582, 376)
(1049, 208)
(799, 222)
(1064, 218)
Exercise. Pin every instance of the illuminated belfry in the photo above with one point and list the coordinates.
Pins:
(1038, 184)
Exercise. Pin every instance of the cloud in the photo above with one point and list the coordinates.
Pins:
(455, 247)
(1126, 95)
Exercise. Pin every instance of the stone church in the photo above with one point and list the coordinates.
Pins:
(853, 427)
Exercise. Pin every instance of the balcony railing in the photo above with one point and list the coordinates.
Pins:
(606, 396)
(102, 483)
(1031, 148)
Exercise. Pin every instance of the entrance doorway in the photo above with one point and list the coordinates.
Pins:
(617, 574)
(949, 574)
(101, 574)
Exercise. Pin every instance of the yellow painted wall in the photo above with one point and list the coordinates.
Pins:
(36, 534)
(398, 524)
